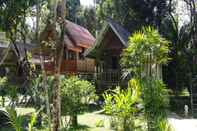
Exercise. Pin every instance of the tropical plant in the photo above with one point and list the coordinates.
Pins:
(75, 95)
(177, 72)
(11, 120)
(4, 120)
(3, 90)
(99, 123)
(123, 105)
(32, 122)
(155, 103)
(165, 126)
(146, 53)
(13, 95)
(147, 50)
(15, 119)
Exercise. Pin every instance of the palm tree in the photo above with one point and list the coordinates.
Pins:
(177, 71)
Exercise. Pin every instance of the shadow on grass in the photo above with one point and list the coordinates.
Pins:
(92, 108)
(79, 128)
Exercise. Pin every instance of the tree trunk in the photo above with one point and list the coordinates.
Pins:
(58, 61)
(74, 120)
(3, 101)
(44, 84)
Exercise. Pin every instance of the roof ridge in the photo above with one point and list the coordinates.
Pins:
(120, 31)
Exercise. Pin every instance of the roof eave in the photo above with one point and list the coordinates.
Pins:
(121, 39)
(90, 52)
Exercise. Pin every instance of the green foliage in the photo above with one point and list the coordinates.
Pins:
(145, 47)
(13, 16)
(37, 91)
(75, 95)
(4, 120)
(15, 119)
(87, 18)
(13, 93)
(3, 83)
(147, 51)
(73, 8)
(32, 122)
(12, 120)
(179, 69)
(156, 102)
(165, 126)
(133, 14)
(99, 123)
(122, 105)
(3, 89)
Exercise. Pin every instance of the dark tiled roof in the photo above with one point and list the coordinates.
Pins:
(22, 47)
(3, 47)
(122, 33)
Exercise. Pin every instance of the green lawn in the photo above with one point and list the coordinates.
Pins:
(90, 120)
(87, 121)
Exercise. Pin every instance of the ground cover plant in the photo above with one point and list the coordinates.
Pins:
(75, 96)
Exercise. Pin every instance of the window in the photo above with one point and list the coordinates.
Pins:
(114, 62)
(71, 55)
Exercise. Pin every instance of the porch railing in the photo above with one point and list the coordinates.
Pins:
(109, 76)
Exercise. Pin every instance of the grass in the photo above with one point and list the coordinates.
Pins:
(87, 121)
(90, 119)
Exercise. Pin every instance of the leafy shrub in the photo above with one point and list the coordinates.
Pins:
(156, 102)
(123, 105)
(146, 50)
(165, 126)
(4, 120)
(144, 57)
(99, 123)
(15, 119)
(3, 90)
(75, 95)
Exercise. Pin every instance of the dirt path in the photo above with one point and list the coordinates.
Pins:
(181, 124)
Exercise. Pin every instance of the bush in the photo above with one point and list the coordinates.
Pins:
(156, 102)
(75, 95)
(144, 57)
(122, 105)
(3, 89)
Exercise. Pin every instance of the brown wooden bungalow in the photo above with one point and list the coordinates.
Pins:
(112, 39)
(76, 41)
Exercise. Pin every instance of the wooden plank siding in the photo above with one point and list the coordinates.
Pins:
(73, 66)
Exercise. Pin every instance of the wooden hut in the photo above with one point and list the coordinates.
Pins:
(77, 40)
(112, 39)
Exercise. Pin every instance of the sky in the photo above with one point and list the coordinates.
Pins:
(87, 2)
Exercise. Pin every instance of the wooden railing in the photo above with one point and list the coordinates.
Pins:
(73, 66)
(109, 76)
(87, 65)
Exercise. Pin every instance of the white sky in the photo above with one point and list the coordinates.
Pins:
(87, 2)
(183, 13)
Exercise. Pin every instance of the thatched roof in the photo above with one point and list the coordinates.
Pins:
(79, 35)
(76, 37)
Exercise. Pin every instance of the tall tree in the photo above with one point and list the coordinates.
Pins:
(87, 18)
(73, 7)
(133, 13)
(57, 23)
(178, 72)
